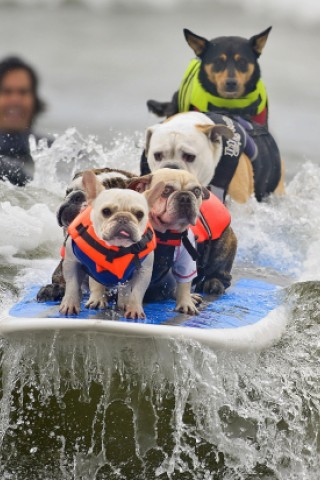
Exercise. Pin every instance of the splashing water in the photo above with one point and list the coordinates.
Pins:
(91, 406)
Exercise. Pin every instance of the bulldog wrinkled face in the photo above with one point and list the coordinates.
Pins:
(120, 216)
(178, 205)
(187, 141)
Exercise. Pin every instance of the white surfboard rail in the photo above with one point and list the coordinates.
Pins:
(253, 337)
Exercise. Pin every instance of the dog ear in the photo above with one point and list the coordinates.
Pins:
(198, 44)
(205, 193)
(258, 41)
(153, 194)
(140, 184)
(216, 131)
(91, 185)
(149, 133)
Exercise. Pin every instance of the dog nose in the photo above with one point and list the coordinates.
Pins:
(184, 199)
(231, 84)
(77, 197)
(122, 220)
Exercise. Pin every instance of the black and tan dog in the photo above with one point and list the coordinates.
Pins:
(224, 81)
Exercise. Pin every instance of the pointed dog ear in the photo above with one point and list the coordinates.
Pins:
(216, 131)
(205, 193)
(91, 185)
(140, 184)
(198, 44)
(258, 41)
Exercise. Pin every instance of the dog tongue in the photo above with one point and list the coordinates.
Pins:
(124, 233)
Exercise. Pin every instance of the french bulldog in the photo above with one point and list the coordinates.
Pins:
(117, 222)
(74, 202)
(174, 216)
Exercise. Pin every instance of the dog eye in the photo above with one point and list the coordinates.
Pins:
(197, 192)
(139, 215)
(188, 157)
(167, 192)
(242, 64)
(106, 212)
(219, 64)
(158, 156)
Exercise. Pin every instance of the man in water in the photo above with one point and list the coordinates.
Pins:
(19, 107)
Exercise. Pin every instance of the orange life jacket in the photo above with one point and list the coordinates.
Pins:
(213, 220)
(106, 263)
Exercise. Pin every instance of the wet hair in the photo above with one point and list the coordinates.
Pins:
(9, 64)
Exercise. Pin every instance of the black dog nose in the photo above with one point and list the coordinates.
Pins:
(231, 84)
(77, 196)
(184, 199)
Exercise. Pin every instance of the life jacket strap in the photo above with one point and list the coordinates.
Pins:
(110, 255)
(174, 239)
(169, 238)
(188, 246)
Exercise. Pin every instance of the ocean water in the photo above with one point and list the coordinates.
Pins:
(85, 406)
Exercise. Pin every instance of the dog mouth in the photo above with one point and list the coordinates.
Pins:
(179, 222)
(122, 236)
(123, 233)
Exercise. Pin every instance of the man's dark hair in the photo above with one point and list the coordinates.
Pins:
(9, 64)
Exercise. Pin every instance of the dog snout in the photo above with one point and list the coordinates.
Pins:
(231, 84)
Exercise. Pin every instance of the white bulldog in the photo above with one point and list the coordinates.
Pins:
(191, 141)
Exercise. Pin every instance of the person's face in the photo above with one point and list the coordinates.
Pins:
(17, 101)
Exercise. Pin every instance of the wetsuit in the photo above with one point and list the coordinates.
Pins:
(16, 162)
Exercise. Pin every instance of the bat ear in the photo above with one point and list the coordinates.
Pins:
(91, 185)
(140, 184)
(198, 44)
(258, 41)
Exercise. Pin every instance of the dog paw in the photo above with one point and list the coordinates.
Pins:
(134, 312)
(52, 292)
(70, 307)
(187, 306)
(213, 286)
(96, 303)
(196, 298)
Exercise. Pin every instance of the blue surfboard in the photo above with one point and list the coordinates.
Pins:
(249, 316)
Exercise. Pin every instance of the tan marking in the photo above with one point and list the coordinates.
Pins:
(241, 186)
(280, 189)
(237, 57)
(219, 80)
(243, 78)
(223, 57)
